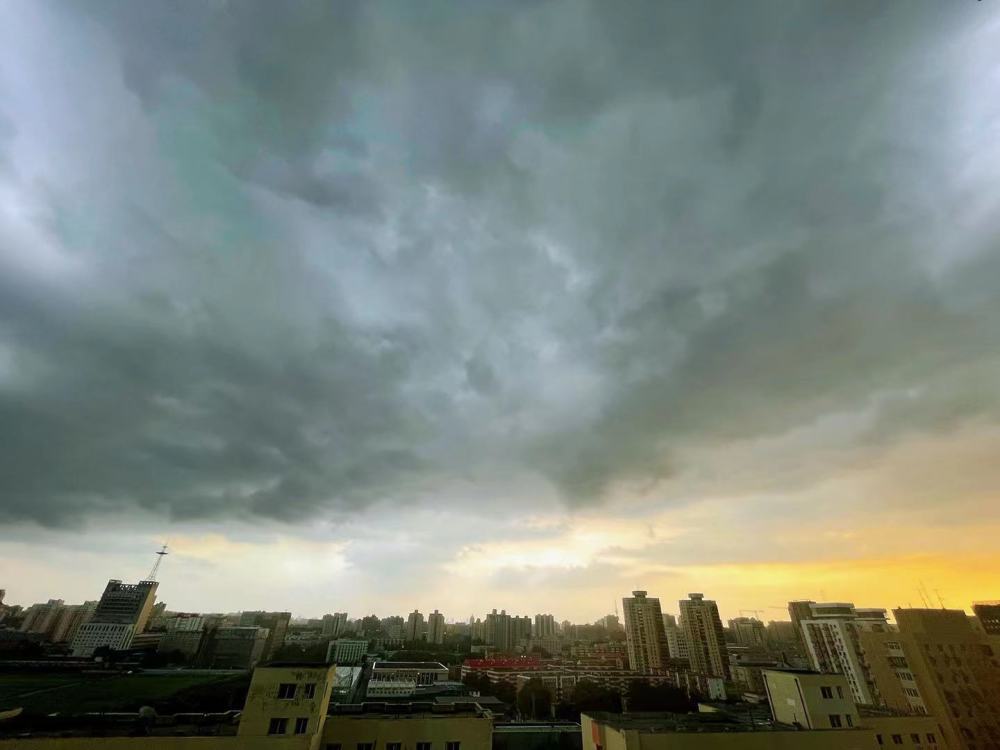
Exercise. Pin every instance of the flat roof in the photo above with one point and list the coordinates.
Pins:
(416, 708)
(435, 665)
(660, 722)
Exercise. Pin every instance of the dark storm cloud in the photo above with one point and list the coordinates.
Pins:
(270, 259)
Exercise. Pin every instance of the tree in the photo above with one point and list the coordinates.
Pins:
(589, 696)
(534, 700)
(645, 697)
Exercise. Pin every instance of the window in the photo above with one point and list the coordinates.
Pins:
(286, 690)
(366, 746)
(309, 690)
(835, 721)
(423, 746)
(840, 692)
(914, 738)
(897, 739)
(301, 725)
(393, 746)
(878, 739)
(277, 726)
(826, 692)
(850, 721)
(453, 745)
(931, 738)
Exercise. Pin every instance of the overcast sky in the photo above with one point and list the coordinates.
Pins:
(374, 306)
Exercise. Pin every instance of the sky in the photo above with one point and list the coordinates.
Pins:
(375, 306)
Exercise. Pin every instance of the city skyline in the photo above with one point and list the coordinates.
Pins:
(387, 305)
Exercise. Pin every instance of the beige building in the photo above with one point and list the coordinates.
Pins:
(810, 699)
(639, 731)
(939, 662)
(706, 642)
(644, 636)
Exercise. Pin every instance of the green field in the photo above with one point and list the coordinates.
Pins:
(74, 693)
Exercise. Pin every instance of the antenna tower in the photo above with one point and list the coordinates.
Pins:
(156, 566)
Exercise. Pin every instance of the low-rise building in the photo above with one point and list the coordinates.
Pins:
(346, 651)
(399, 679)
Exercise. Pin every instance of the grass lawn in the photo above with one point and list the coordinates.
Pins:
(72, 693)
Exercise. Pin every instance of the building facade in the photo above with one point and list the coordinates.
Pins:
(953, 670)
(832, 636)
(644, 637)
(435, 627)
(122, 612)
(705, 640)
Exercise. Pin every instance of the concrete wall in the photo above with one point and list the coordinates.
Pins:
(473, 732)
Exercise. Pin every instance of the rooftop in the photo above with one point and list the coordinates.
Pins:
(428, 665)
(659, 722)
(422, 709)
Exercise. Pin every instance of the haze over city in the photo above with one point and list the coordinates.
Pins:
(373, 306)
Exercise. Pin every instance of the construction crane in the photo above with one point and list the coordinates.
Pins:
(755, 612)
(156, 566)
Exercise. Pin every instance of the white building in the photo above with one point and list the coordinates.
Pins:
(676, 641)
(346, 652)
(394, 678)
(832, 640)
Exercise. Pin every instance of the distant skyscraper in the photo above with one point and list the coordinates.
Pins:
(748, 631)
(335, 624)
(499, 630)
(832, 642)
(435, 627)
(545, 626)
(120, 615)
(415, 626)
(706, 643)
(644, 636)
(277, 627)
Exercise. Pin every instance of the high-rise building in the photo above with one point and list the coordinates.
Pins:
(415, 626)
(749, 631)
(120, 615)
(677, 647)
(832, 638)
(42, 618)
(644, 637)
(545, 626)
(798, 611)
(335, 624)
(435, 627)
(988, 614)
(276, 624)
(705, 640)
(521, 628)
(70, 620)
(938, 663)
(498, 630)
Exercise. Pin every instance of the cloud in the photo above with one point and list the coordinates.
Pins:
(298, 263)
